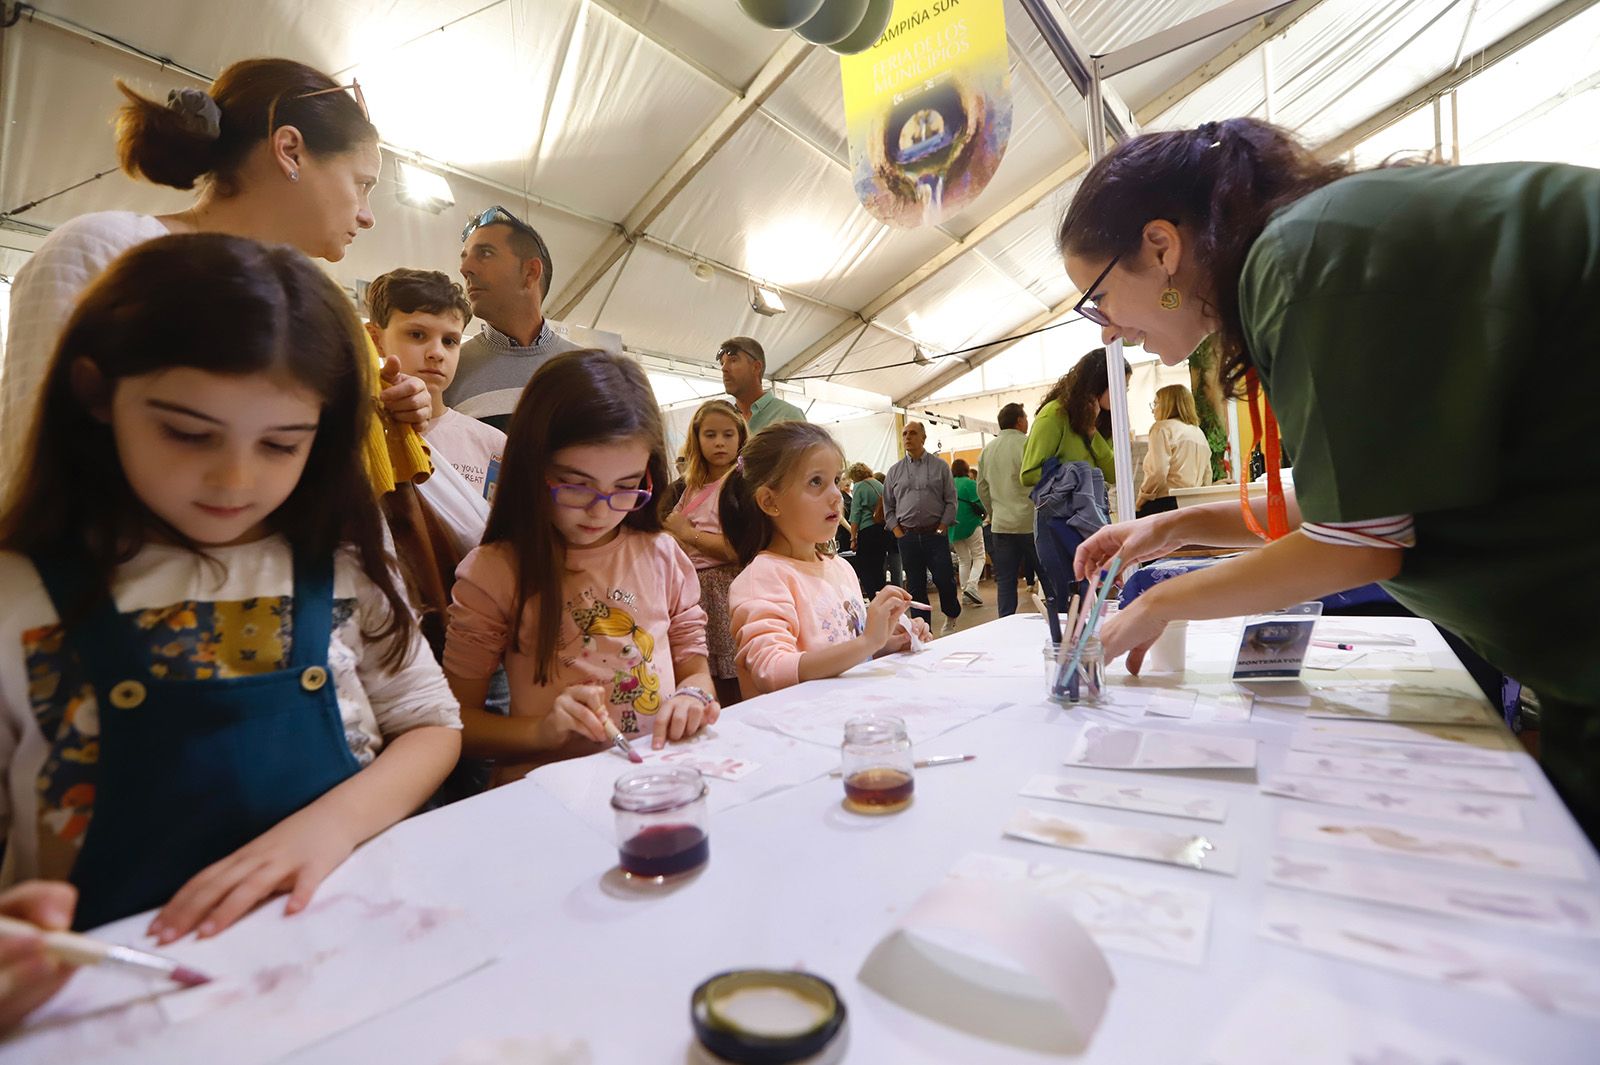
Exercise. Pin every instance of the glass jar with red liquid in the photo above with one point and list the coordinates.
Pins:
(877, 765)
(661, 822)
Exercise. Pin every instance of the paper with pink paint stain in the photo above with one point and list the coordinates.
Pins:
(364, 946)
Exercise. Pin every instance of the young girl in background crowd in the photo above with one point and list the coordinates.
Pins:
(796, 609)
(211, 687)
(594, 612)
(716, 435)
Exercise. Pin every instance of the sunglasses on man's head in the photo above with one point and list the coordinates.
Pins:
(498, 215)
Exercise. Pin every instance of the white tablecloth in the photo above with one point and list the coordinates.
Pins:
(794, 880)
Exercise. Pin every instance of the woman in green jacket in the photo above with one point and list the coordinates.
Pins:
(1389, 315)
(1064, 424)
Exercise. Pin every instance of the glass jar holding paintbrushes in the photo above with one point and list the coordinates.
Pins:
(1075, 665)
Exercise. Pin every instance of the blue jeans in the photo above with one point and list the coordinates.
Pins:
(924, 552)
(1010, 552)
(1056, 543)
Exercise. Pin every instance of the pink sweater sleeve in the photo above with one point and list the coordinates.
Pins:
(766, 626)
(480, 625)
(686, 618)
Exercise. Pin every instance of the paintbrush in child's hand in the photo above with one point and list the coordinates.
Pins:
(619, 740)
(81, 950)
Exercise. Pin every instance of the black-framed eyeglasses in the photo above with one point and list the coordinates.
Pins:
(1088, 305)
(498, 215)
(582, 496)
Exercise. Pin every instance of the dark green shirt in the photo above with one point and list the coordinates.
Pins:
(1429, 338)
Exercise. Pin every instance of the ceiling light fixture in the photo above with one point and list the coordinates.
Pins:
(766, 301)
(424, 189)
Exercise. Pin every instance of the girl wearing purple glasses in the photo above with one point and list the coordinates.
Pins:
(593, 610)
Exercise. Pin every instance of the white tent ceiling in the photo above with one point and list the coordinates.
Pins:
(639, 135)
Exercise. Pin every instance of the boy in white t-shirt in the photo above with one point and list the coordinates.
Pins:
(419, 316)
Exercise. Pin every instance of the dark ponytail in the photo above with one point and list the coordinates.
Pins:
(1221, 181)
(208, 135)
(766, 461)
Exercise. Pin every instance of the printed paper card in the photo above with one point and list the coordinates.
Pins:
(1121, 841)
(1539, 909)
(1138, 797)
(1378, 771)
(1484, 739)
(1223, 708)
(1120, 913)
(1494, 813)
(1400, 703)
(1111, 747)
(1527, 978)
(1455, 848)
(1161, 702)
(1277, 1022)
(1420, 754)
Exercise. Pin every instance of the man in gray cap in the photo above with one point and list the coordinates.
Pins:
(743, 364)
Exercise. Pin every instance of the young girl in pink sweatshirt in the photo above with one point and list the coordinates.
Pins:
(796, 609)
(593, 610)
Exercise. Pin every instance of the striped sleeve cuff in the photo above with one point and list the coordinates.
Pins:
(1399, 531)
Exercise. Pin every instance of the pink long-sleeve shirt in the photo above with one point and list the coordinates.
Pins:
(781, 608)
(630, 609)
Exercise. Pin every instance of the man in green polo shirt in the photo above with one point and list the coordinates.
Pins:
(743, 364)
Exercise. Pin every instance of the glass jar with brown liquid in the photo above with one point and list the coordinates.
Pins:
(877, 765)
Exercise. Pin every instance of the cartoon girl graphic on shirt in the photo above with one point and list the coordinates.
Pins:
(637, 687)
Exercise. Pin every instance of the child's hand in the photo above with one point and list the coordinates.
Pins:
(678, 524)
(901, 639)
(29, 976)
(883, 614)
(582, 709)
(295, 855)
(405, 397)
(683, 715)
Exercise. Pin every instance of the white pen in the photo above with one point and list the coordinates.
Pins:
(924, 763)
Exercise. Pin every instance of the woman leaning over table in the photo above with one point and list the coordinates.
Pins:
(1388, 314)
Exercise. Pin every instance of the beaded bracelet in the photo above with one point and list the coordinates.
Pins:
(704, 696)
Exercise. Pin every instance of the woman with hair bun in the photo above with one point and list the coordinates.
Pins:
(281, 153)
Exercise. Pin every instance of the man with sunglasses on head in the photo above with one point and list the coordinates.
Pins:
(506, 267)
(743, 363)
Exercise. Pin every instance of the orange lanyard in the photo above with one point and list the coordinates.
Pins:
(1272, 451)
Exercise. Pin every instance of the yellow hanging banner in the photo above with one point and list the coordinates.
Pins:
(928, 109)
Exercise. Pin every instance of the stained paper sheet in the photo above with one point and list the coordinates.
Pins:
(366, 945)
(1531, 980)
(1120, 913)
(1111, 747)
(1531, 907)
(1189, 850)
(1276, 1022)
(1132, 796)
(1378, 771)
(1376, 836)
(1462, 810)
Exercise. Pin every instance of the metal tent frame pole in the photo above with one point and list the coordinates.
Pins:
(1109, 117)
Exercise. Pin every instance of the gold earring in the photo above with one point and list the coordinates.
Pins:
(1171, 299)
